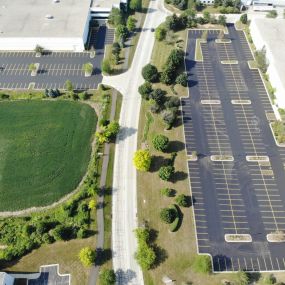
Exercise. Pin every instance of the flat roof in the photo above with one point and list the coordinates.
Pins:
(273, 34)
(27, 18)
(105, 4)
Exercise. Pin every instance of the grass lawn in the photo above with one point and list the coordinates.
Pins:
(63, 253)
(45, 149)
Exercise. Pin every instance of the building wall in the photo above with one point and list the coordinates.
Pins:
(273, 74)
(57, 44)
(8, 280)
(86, 28)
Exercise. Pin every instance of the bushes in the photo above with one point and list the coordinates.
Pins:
(150, 73)
(136, 5)
(145, 255)
(242, 278)
(142, 160)
(169, 117)
(165, 172)
(202, 264)
(168, 215)
(109, 132)
(160, 142)
(269, 279)
(177, 222)
(182, 200)
(272, 14)
(87, 256)
(116, 17)
(167, 192)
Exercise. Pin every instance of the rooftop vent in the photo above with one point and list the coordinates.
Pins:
(56, 1)
(48, 16)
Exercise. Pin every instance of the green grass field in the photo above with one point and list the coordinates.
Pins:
(44, 151)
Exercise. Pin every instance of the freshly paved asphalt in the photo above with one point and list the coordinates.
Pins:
(55, 67)
(237, 197)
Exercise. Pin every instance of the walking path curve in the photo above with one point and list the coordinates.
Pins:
(124, 207)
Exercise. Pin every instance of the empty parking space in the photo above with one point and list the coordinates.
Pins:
(226, 51)
(239, 174)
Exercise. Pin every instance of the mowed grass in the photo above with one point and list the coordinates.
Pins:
(45, 148)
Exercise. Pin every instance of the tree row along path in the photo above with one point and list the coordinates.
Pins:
(124, 198)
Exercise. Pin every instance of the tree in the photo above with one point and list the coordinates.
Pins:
(87, 67)
(160, 142)
(202, 264)
(182, 200)
(32, 67)
(172, 23)
(243, 19)
(145, 256)
(150, 73)
(160, 33)
(142, 160)
(222, 20)
(131, 23)
(87, 256)
(136, 5)
(39, 49)
(165, 172)
(158, 95)
(172, 102)
(92, 204)
(169, 117)
(107, 277)
(145, 89)
(182, 79)
(167, 215)
(116, 17)
(242, 278)
(106, 66)
(206, 16)
(122, 33)
(68, 85)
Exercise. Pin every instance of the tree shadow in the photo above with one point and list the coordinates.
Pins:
(126, 132)
(103, 256)
(178, 176)
(175, 146)
(161, 256)
(157, 161)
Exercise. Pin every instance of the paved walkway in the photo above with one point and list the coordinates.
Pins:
(124, 198)
(100, 205)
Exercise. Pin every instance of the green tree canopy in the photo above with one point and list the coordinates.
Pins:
(160, 142)
(142, 160)
(87, 256)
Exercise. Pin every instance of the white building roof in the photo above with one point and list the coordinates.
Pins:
(29, 18)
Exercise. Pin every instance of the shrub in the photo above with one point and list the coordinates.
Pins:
(150, 73)
(142, 160)
(61, 232)
(165, 172)
(166, 192)
(243, 19)
(169, 117)
(160, 142)
(269, 279)
(106, 66)
(260, 56)
(160, 33)
(168, 215)
(92, 204)
(131, 24)
(121, 33)
(182, 200)
(242, 278)
(145, 256)
(202, 264)
(87, 256)
(182, 79)
(46, 238)
(82, 233)
(272, 14)
(68, 85)
(222, 20)
(107, 277)
(116, 17)
(145, 89)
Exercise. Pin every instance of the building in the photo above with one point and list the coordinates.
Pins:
(100, 9)
(52, 24)
(6, 279)
(270, 33)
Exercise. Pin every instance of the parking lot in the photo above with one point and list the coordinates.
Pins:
(55, 67)
(228, 116)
